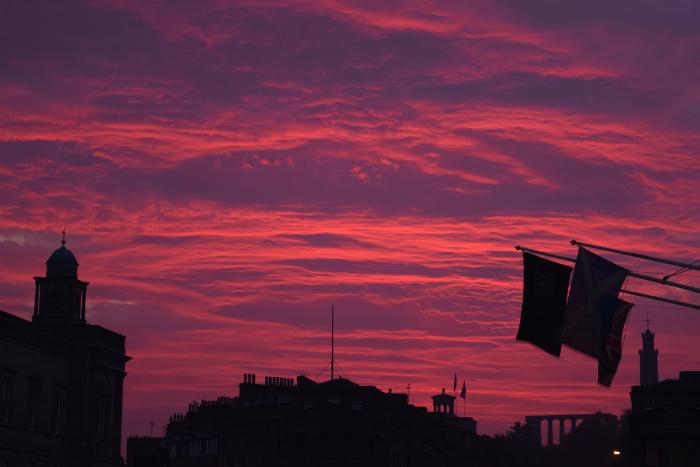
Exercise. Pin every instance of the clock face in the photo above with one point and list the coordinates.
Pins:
(54, 299)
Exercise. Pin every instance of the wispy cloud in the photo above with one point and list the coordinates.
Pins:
(228, 170)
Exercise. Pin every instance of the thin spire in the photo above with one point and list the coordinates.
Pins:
(332, 341)
(647, 320)
(63, 236)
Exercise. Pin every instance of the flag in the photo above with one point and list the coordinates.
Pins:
(592, 302)
(463, 394)
(611, 352)
(454, 385)
(545, 284)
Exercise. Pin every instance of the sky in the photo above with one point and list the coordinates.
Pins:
(228, 170)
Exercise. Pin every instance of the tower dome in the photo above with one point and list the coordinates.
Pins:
(62, 263)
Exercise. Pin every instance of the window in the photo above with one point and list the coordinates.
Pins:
(195, 447)
(57, 413)
(652, 453)
(210, 446)
(677, 454)
(103, 415)
(33, 405)
(5, 398)
(649, 404)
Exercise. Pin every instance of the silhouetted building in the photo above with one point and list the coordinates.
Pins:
(443, 404)
(585, 440)
(146, 451)
(61, 379)
(665, 422)
(300, 423)
(534, 423)
(648, 360)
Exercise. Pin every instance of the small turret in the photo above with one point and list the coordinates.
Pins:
(62, 262)
(60, 296)
(648, 359)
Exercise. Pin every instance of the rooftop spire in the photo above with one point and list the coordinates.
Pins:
(648, 359)
(62, 262)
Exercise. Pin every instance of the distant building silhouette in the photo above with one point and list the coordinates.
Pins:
(300, 423)
(61, 379)
(444, 404)
(589, 441)
(648, 360)
(665, 422)
(146, 451)
(533, 425)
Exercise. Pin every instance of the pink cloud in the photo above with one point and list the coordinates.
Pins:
(226, 172)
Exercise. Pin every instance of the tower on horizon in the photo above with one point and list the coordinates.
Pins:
(648, 360)
(61, 378)
(60, 296)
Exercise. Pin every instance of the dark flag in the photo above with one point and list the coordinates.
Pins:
(611, 352)
(463, 394)
(544, 300)
(454, 385)
(592, 302)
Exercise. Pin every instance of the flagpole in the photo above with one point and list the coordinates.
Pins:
(689, 288)
(639, 294)
(661, 299)
(639, 255)
(551, 255)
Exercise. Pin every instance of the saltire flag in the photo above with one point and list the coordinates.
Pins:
(463, 394)
(545, 284)
(611, 351)
(454, 385)
(592, 302)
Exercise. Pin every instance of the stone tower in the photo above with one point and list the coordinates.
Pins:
(90, 366)
(648, 360)
(60, 296)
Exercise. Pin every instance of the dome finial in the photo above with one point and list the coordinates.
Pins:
(63, 239)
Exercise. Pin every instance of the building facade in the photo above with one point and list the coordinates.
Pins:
(299, 422)
(665, 423)
(61, 379)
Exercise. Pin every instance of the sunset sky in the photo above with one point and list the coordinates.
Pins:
(228, 170)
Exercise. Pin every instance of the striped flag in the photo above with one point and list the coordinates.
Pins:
(611, 351)
(592, 303)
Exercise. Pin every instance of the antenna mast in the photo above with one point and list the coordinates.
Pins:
(332, 341)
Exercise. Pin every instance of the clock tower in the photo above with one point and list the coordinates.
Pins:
(60, 296)
(648, 360)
